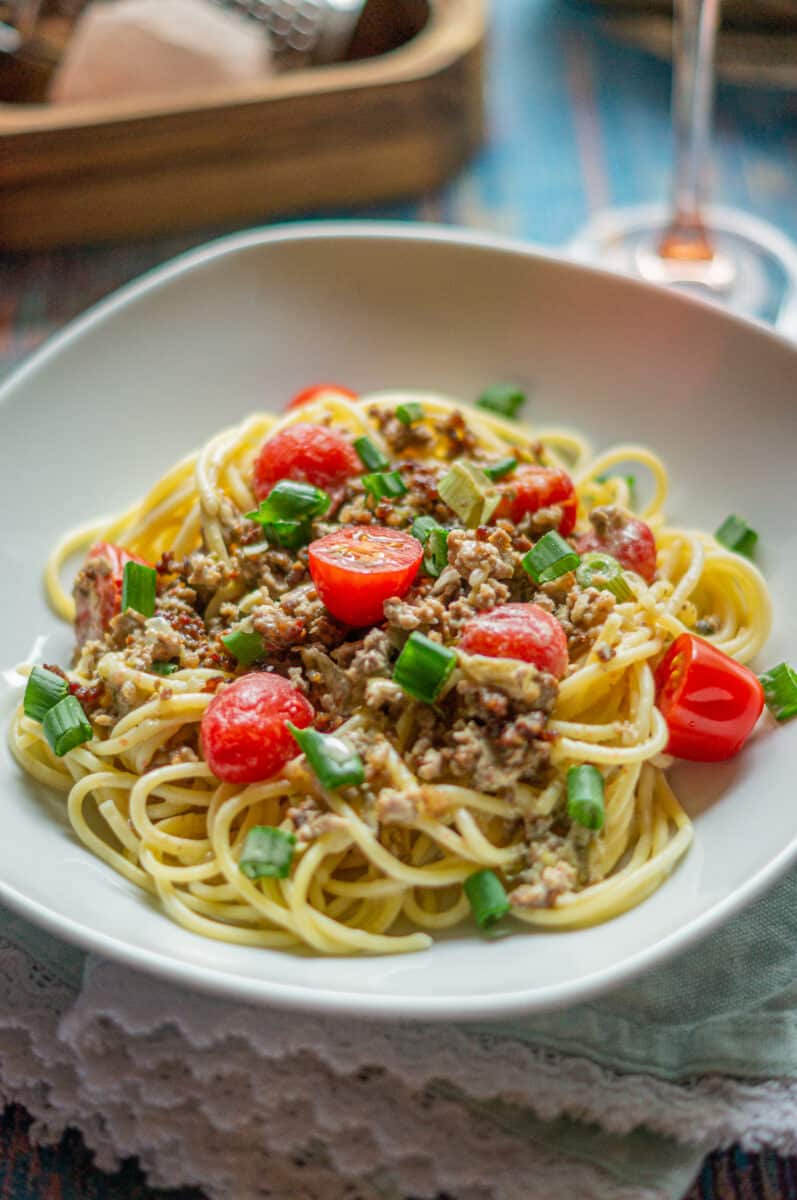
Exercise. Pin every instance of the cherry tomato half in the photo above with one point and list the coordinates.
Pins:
(531, 488)
(356, 568)
(98, 591)
(709, 701)
(631, 543)
(243, 731)
(310, 453)
(523, 631)
(317, 390)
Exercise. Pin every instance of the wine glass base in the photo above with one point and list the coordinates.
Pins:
(753, 271)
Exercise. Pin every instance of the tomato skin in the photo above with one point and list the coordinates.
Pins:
(710, 701)
(357, 567)
(310, 453)
(243, 732)
(98, 592)
(316, 390)
(523, 631)
(632, 544)
(533, 487)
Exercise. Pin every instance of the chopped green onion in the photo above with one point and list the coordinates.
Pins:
(630, 481)
(43, 691)
(409, 413)
(605, 573)
(370, 455)
(289, 534)
(267, 853)
(138, 588)
(504, 399)
(780, 689)
(500, 469)
(245, 646)
(65, 726)
(585, 803)
(434, 539)
(469, 491)
(551, 557)
(335, 763)
(384, 483)
(423, 667)
(164, 668)
(736, 534)
(290, 500)
(487, 898)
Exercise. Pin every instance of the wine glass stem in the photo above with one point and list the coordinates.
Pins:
(694, 46)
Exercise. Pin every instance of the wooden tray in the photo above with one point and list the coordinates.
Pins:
(382, 128)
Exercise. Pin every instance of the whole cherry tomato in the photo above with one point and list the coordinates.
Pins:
(243, 731)
(356, 568)
(311, 453)
(709, 701)
(317, 390)
(531, 488)
(523, 631)
(630, 541)
(98, 589)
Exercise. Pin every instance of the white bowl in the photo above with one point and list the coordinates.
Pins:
(93, 418)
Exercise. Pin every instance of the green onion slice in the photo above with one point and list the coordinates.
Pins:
(423, 667)
(384, 484)
(551, 557)
(289, 534)
(267, 853)
(43, 691)
(500, 469)
(408, 414)
(434, 539)
(605, 573)
(65, 726)
(735, 534)
(487, 898)
(370, 454)
(290, 500)
(585, 803)
(780, 689)
(244, 645)
(335, 763)
(469, 491)
(503, 398)
(138, 588)
(164, 668)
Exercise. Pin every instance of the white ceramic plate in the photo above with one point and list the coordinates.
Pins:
(88, 422)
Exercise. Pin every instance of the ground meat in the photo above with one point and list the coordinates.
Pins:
(327, 685)
(581, 613)
(487, 736)
(554, 881)
(707, 625)
(607, 519)
(398, 436)
(421, 612)
(311, 822)
(279, 631)
(394, 807)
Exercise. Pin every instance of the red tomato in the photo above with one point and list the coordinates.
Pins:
(632, 544)
(356, 568)
(532, 488)
(310, 453)
(98, 589)
(318, 389)
(709, 701)
(523, 631)
(243, 731)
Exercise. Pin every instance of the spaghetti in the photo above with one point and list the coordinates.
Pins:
(379, 868)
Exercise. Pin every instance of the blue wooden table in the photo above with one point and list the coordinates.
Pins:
(577, 122)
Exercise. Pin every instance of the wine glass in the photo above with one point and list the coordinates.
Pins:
(719, 253)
